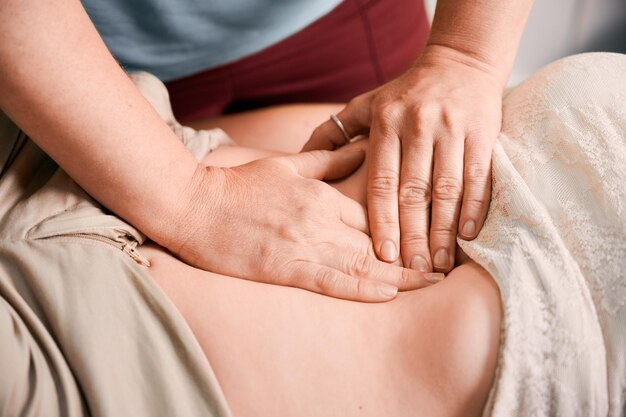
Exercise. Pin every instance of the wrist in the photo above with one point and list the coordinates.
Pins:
(195, 208)
(438, 54)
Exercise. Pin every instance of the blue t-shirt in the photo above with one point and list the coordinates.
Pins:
(176, 38)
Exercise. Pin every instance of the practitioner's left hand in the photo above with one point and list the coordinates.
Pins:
(432, 132)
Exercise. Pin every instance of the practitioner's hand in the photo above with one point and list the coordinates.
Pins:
(273, 221)
(432, 132)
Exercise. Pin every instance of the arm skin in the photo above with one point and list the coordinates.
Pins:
(432, 131)
(483, 33)
(60, 84)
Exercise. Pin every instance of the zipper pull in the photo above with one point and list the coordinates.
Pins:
(129, 249)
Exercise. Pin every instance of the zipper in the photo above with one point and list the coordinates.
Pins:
(126, 243)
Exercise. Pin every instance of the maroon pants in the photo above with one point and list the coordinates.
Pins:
(356, 47)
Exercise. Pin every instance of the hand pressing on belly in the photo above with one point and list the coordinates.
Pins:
(431, 134)
(274, 221)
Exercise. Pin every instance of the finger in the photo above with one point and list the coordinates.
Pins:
(446, 195)
(324, 165)
(414, 200)
(382, 191)
(355, 118)
(354, 241)
(329, 281)
(476, 188)
(353, 214)
(360, 265)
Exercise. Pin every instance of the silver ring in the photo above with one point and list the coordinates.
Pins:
(336, 120)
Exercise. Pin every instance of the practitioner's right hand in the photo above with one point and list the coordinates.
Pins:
(274, 221)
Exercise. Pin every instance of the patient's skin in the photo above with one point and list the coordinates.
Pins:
(280, 351)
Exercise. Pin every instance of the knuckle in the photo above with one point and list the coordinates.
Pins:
(358, 287)
(475, 204)
(359, 265)
(476, 130)
(414, 192)
(291, 233)
(319, 189)
(354, 102)
(475, 171)
(299, 207)
(414, 240)
(358, 101)
(387, 112)
(406, 276)
(450, 118)
(326, 281)
(279, 270)
(383, 183)
(443, 231)
(383, 220)
(419, 125)
(447, 188)
(426, 112)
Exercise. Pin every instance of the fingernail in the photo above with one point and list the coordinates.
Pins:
(441, 259)
(469, 228)
(388, 291)
(418, 263)
(388, 251)
(434, 277)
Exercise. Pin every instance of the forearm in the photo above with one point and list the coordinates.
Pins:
(485, 31)
(59, 83)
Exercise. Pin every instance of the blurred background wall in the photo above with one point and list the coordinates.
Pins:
(557, 28)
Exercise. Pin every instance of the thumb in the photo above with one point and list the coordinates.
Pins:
(324, 165)
(355, 118)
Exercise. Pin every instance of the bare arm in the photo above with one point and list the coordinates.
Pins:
(60, 84)
(486, 32)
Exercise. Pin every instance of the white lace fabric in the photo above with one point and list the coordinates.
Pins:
(555, 242)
